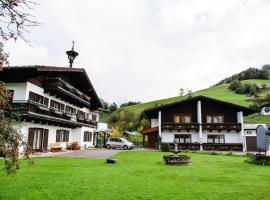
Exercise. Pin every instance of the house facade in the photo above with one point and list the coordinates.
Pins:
(56, 105)
(198, 123)
(265, 109)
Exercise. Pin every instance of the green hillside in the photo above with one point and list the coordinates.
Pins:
(220, 92)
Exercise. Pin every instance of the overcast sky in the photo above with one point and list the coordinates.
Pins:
(143, 50)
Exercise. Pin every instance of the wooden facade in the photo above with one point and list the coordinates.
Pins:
(200, 117)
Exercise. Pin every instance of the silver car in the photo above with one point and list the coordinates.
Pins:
(120, 143)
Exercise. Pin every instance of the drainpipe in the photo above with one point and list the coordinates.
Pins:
(199, 120)
(240, 119)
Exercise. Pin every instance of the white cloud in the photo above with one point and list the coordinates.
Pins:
(147, 49)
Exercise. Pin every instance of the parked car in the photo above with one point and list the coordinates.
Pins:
(121, 143)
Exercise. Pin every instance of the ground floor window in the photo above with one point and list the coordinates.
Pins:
(62, 136)
(87, 136)
(182, 138)
(215, 139)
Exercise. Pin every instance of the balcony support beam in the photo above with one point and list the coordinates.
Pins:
(199, 120)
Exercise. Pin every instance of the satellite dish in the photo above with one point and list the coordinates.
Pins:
(262, 138)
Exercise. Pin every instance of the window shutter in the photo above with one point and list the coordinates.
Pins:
(45, 139)
(67, 132)
(90, 139)
(31, 137)
(62, 107)
(85, 136)
(46, 101)
(58, 136)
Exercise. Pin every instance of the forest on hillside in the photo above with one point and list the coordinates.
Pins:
(250, 73)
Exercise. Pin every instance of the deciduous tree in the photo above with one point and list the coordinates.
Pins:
(15, 21)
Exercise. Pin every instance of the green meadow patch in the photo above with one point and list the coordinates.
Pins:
(138, 175)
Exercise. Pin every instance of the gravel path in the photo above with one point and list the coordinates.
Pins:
(94, 153)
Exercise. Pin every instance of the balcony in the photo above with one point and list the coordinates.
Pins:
(180, 126)
(59, 87)
(205, 126)
(221, 126)
(30, 108)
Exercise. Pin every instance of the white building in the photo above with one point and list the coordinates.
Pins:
(57, 105)
(198, 123)
(265, 109)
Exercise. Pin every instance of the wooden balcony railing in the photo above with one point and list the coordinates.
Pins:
(61, 86)
(180, 126)
(221, 126)
(24, 107)
(205, 126)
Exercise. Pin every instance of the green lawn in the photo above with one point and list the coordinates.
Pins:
(138, 175)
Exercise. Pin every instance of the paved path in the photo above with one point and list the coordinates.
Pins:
(94, 153)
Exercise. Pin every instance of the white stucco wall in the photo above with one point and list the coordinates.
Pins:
(168, 137)
(154, 123)
(75, 135)
(19, 90)
(230, 137)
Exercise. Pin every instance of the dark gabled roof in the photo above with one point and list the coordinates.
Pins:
(246, 110)
(77, 76)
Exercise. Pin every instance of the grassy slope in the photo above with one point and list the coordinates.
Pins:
(219, 92)
(138, 175)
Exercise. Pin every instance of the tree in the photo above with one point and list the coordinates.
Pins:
(130, 103)
(181, 91)
(105, 104)
(113, 107)
(15, 21)
(234, 85)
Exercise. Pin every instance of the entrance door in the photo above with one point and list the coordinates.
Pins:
(38, 139)
(251, 143)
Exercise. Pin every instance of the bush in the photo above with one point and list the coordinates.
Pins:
(165, 147)
(234, 85)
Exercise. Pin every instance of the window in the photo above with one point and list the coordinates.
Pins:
(81, 114)
(182, 118)
(57, 106)
(87, 136)
(214, 119)
(182, 138)
(62, 136)
(215, 139)
(70, 110)
(38, 99)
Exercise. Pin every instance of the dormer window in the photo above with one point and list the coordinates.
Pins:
(214, 119)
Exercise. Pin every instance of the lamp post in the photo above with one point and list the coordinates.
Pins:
(72, 55)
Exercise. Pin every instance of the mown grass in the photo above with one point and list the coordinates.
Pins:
(138, 175)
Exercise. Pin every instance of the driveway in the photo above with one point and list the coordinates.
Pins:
(94, 153)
